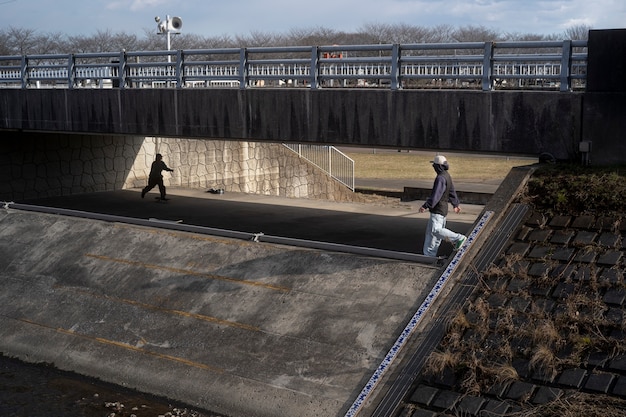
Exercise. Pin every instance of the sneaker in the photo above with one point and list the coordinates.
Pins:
(459, 243)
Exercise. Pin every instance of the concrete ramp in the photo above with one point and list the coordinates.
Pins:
(236, 327)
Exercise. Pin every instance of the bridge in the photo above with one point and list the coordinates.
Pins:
(237, 333)
(562, 99)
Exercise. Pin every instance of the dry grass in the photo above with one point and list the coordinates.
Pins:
(438, 361)
(488, 336)
(577, 405)
(417, 166)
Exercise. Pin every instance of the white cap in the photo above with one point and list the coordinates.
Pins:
(439, 160)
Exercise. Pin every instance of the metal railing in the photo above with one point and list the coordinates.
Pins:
(329, 159)
(553, 65)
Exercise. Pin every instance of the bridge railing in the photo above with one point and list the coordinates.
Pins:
(552, 65)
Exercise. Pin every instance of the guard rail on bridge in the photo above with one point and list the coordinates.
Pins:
(553, 65)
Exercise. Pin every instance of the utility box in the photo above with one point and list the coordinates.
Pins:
(584, 146)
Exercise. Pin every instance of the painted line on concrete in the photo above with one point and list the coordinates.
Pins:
(125, 346)
(189, 272)
(417, 317)
(181, 313)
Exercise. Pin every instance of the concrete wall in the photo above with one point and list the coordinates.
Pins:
(521, 122)
(36, 165)
(604, 108)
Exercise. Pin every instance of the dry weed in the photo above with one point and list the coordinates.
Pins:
(545, 361)
(482, 308)
(577, 405)
(459, 322)
(502, 373)
(504, 323)
(473, 376)
(438, 361)
(546, 334)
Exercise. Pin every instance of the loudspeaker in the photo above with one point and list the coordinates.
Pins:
(176, 23)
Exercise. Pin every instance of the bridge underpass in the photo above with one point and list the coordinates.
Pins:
(141, 270)
(165, 271)
(230, 325)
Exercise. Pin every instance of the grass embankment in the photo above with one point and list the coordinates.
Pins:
(578, 190)
(484, 340)
(417, 166)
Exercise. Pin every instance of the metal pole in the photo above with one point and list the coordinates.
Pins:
(487, 66)
(169, 41)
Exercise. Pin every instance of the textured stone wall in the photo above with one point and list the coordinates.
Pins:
(246, 167)
(36, 165)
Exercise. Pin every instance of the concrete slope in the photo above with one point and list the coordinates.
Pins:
(240, 328)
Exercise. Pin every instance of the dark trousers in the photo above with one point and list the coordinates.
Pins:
(153, 182)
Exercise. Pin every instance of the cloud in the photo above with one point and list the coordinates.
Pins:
(135, 5)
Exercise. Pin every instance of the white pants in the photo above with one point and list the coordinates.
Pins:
(436, 232)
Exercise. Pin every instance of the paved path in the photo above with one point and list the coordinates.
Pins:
(397, 226)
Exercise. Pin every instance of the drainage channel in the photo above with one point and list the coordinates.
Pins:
(255, 237)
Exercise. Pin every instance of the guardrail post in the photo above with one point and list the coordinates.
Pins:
(243, 68)
(24, 71)
(315, 68)
(121, 70)
(71, 71)
(395, 65)
(488, 66)
(180, 79)
(566, 66)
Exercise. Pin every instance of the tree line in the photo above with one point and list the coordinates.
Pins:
(23, 41)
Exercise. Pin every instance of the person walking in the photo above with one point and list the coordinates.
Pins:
(156, 178)
(443, 192)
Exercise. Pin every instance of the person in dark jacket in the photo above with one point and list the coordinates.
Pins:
(443, 192)
(156, 178)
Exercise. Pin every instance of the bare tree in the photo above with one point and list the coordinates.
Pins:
(5, 48)
(475, 34)
(377, 33)
(51, 43)
(22, 41)
(580, 32)
(316, 36)
(256, 38)
(19, 41)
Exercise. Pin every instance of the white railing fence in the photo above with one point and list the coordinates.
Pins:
(331, 160)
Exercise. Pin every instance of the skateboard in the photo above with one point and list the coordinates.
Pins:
(161, 200)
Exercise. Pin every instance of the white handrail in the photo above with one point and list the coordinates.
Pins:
(329, 159)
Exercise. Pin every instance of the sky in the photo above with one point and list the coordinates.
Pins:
(213, 18)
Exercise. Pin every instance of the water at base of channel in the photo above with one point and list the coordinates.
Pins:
(40, 390)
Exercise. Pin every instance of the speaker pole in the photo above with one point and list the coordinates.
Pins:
(169, 39)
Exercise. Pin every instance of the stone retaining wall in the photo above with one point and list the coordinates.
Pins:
(35, 165)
